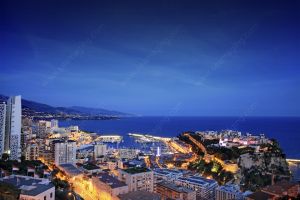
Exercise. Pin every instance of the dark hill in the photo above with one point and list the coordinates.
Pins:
(44, 108)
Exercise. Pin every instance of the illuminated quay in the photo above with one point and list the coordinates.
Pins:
(149, 138)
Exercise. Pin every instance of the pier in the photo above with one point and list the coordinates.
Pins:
(293, 160)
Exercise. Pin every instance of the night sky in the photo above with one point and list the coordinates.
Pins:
(200, 58)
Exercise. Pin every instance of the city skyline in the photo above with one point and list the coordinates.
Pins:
(152, 100)
(159, 58)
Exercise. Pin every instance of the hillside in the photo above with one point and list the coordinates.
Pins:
(33, 108)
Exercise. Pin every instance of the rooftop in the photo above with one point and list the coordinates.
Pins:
(70, 169)
(85, 147)
(166, 171)
(28, 185)
(90, 166)
(174, 187)
(110, 180)
(136, 162)
(136, 170)
(62, 141)
(259, 195)
(139, 195)
(230, 188)
(280, 187)
(198, 180)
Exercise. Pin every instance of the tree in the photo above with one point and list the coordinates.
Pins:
(22, 158)
(5, 156)
(62, 184)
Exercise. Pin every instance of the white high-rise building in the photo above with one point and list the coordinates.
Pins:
(12, 143)
(64, 152)
(2, 126)
(54, 123)
(158, 152)
(100, 149)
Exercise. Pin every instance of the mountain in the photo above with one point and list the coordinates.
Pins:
(35, 107)
(97, 111)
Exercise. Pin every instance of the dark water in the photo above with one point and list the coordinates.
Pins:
(285, 129)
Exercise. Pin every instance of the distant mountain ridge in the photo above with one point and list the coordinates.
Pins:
(96, 111)
(40, 107)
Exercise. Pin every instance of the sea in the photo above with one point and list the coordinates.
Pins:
(286, 130)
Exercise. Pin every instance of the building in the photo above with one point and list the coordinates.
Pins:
(107, 185)
(229, 192)
(54, 123)
(2, 127)
(90, 168)
(161, 174)
(12, 143)
(158, 152)
(137, 178)
(128, 153)
(205, 188)
(121, 163)
(26, 136)
(73, 129)
(31, 188)
(85, 153)
(31, 151)
(167, 174)
(169, 190)
(43, 128)
(282, 189)
(134, 163)
(26, 133)
(100, 150)
(112, 164)
(64, 152)
(140, 195)
(259, 195)
(46, 149)
(110, 138)
(71, 171)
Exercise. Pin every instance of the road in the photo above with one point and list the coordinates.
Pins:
(83, 190)
(198, 144)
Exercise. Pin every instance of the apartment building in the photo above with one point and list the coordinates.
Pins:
(108, 185)
(137, 178)
(205, 188)
(169, 190)
(229, 192)
(64, 152)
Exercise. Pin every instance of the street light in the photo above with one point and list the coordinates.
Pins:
(71, 194)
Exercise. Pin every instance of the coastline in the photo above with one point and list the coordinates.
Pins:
(284, 129)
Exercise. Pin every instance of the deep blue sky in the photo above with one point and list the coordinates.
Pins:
(156, 58)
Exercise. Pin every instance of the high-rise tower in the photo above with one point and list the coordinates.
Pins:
(2, 126)
(158, 152)
(13, 127)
